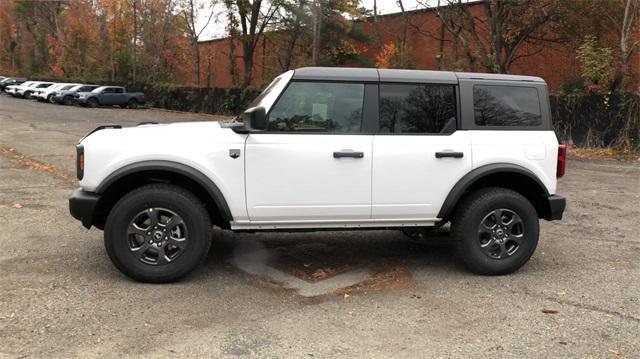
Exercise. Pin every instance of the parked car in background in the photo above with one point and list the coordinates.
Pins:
(66, 96)
(46, 94)
(27, 92)
(13, 89)
(11, 81)
(110, 96)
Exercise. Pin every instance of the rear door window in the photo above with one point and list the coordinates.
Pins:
(506, 106)
(417, 108)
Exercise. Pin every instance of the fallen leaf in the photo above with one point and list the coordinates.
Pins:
(549, 311)
(17, 205)
(346, 295)
(615, 352)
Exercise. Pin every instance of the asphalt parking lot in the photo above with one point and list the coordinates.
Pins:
(372, 294)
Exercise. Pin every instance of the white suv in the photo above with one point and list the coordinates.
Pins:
(332, 148)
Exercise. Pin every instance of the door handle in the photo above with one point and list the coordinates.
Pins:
(449, 154)
(346, 153)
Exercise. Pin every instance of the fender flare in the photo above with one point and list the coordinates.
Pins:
(476, 174)
(174, 167)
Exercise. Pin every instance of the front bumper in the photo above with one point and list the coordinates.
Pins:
(82, 205)
(557, 205)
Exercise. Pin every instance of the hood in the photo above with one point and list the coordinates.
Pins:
(154, 133)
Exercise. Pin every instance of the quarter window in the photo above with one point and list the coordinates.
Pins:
(408, 108)
(506, 106)
(318, 107)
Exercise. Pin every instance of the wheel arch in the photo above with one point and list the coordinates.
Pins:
(125, 179)
(505, 175)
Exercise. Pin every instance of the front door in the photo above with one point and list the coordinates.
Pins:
(312, 163)
(418, 154)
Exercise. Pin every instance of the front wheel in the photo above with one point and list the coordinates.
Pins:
(132, 104)
(158, 233)
(495, 230)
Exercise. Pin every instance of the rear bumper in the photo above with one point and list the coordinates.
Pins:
(557, 205)
(82, 206)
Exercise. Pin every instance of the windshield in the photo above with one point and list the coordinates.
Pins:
(66, 87)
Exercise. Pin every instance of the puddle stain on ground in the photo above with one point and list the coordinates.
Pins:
(316, 269)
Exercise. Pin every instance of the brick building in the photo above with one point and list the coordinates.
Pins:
(556, 63)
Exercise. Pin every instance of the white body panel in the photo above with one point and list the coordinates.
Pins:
(536, 151)
(204, 146)
(409, 181)
(296, 178)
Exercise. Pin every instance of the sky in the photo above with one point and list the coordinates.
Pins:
(216, 28)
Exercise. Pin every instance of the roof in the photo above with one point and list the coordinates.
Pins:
(397, 75)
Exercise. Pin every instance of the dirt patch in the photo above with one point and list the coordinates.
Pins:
(625, 155)
(23, 161)
(392, 277)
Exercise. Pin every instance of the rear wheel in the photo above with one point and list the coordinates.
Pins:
(27, 94)
(67, 100)
(495, 231)
(132, 104)
(158, 233)
(51, 99)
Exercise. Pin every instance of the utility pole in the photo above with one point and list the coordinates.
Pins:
(317, 27)
(375, 11)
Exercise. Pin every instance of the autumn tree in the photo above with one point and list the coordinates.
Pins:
(252, 19)
(191, 10)
(509, 25)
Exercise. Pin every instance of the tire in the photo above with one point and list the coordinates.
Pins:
(132, 104)
(92, 102)
(27, 95)
(136, 260)
(67, 100)
(493, 251)
(51, 99)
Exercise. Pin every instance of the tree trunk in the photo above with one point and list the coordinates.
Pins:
(135, 41)
(248, 63)
(295, 32)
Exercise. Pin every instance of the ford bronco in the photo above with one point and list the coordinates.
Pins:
(332, 148)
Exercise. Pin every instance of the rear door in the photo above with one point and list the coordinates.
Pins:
(418, 153)
(119, 97)
(312, 163)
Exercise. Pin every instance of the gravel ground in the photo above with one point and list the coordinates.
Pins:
(60, 296)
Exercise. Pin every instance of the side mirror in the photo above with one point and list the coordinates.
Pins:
(255, 118)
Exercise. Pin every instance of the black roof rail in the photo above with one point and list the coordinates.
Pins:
(101, 127)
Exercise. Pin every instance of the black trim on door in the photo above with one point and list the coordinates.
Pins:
(370, 111)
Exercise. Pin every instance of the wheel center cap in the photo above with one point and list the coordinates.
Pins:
(500, 233)
(157, 235)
